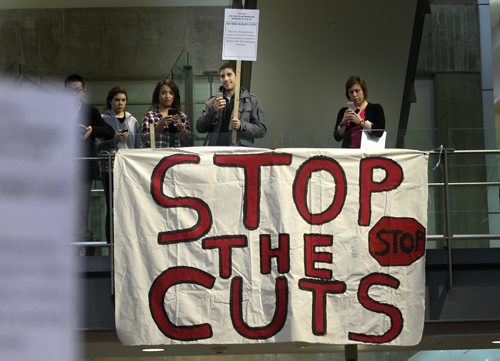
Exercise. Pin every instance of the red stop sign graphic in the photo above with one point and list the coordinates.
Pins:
(397, 241)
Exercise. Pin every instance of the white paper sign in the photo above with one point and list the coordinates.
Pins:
(241, 31)
(237, 245)
(38, 311)
(369, 142)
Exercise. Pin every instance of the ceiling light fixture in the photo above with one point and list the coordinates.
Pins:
(153, 349)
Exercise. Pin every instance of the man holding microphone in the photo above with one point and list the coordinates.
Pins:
(217, 117)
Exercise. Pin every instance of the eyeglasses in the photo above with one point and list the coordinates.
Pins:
(74, 91)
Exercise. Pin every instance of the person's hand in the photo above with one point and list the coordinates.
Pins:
(122, 134)
(351, 116)
(177, 122)
(88, 132)
(172, 121)
(356, 119)
(168, 120)
(219, 103)
(163, 124)
(235, 124)
(346, 119)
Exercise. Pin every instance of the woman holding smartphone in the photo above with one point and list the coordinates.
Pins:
(126, 127)
(169, 125)
(359, 115)
(127, 135)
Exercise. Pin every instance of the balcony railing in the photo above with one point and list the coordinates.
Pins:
(463, 212)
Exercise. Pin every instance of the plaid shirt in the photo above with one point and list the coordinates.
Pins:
(166, 138)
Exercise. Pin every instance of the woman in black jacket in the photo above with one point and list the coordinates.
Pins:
(358, 115)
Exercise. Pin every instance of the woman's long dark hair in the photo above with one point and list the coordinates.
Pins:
(176, 104)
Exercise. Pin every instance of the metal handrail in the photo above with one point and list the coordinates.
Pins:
(448, 236)
(439, 237)
(468, 184)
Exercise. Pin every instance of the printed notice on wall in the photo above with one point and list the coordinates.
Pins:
(38, 311)
(241, 30)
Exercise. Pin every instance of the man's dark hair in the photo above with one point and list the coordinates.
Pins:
(73, 78)
(228, 65)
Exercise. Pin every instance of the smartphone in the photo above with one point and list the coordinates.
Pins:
(172, 111)
(351, 106)
(82, 129)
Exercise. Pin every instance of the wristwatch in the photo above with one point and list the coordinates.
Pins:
(362, 123)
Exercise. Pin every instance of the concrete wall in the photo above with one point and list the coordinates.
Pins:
(450, 39)
(450, 58)
(110, 43)
(307, 50)
(126, 46)
(450, 53)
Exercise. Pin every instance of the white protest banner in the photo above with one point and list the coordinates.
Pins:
(244, 245)
(38, 308)
(241, 32)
